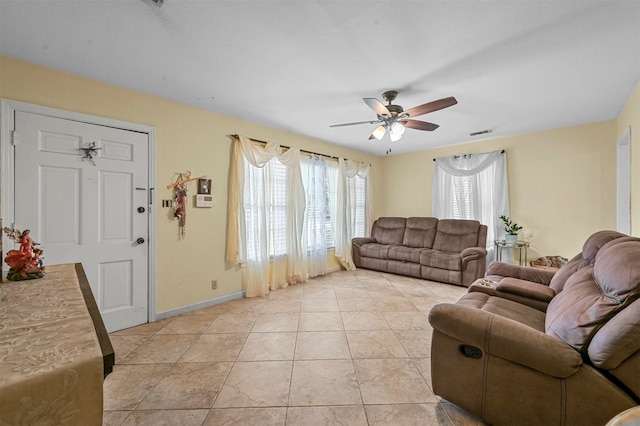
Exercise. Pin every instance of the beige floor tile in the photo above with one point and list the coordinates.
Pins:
(187, 386)
(391, 381)
(273, 416)
(124, 344)
(425, 303)
(397, 304)
(114, 418)
(268, 347)
(246, 305)
(461, 417)
(350, 291)
(417, 343)
(148, 328)
(281, 305)
(322, 291)
(324, 382)
(256, 384)
(166, 418)
(407, 415)
(320, 321)
(320, 305)
(212, 310)
(232, 323)
(215, 348)
(357, 304)
(327, 416)
(375, 344)
(165, 348)
(407, 320)
(127, 385)
(424, 366)
(322, 345)
(187, 324)
(278, 321)
(364, 321)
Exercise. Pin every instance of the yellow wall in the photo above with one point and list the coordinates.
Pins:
(561, 183)
(630, 117)
(187, 138)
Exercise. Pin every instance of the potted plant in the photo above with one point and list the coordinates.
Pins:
(511, 229)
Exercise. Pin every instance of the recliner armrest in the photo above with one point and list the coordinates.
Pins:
(529, 289)
(527, 273)
(505, 338)
(472, 253)
(359, 241)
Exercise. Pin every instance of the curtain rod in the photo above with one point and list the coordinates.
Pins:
(501, 152)
(288, 147)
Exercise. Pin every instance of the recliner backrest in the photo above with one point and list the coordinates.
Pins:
(586, 257)
(389, 230)
(420, 232)
(594, 296)
(455, 235)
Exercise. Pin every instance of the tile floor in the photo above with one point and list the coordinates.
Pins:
(348, 348)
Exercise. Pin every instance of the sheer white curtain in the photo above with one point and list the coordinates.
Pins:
(266, 216)
(353, 218)
(473, 186)
(315, 225)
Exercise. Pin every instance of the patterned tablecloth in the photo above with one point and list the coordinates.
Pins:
(51, 367)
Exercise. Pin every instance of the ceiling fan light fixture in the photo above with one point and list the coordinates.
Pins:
(379, 132)
(396, 131)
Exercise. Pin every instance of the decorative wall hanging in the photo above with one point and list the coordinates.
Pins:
(180, 187)
(89, 150)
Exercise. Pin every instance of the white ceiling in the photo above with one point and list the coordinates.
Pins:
(515, 66)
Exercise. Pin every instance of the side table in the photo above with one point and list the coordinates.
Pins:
(519, 245)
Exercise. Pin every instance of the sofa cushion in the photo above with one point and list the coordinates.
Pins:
(586, 257)
(441, 259)
(375, 250)
(420, 232)
(594, 294)
(389, 230)
(454, 235)
(405, 254)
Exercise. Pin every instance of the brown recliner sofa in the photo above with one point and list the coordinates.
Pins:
(445, 250)
(578, 363)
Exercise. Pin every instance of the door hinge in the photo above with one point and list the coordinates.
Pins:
(15, 138)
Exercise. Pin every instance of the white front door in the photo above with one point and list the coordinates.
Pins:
(88, 210)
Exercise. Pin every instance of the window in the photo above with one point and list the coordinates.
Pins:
(360, 220)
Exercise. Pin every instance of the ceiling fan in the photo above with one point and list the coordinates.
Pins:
(395, 119)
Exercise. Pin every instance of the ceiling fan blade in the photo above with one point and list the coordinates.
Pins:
(431, 106)
(357, 122)
(377, 106)
(420, 125)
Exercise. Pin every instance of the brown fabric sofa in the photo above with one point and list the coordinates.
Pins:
(445, 250)
(578, 363)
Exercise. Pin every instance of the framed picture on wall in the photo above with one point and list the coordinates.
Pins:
(204, 186)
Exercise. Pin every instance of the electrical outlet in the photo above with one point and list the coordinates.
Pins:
(214, 284)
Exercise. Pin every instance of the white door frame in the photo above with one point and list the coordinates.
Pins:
(8, 109)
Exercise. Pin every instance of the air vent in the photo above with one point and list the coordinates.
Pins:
(481, 132)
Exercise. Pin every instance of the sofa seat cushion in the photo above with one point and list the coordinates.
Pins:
(375, 250)
(441, 260)
(505, 308)
(405, 254)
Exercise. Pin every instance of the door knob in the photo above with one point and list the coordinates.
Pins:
(140, 240)
(140, 209)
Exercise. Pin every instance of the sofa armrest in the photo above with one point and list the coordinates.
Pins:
(506, 339)
(359, 241)
(526, 273)
(529, 289)
(472, 253)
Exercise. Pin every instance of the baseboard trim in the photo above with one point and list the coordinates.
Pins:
(199, 305)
